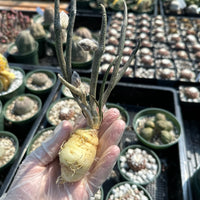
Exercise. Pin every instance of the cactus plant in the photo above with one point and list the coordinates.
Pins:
(147, 133)
(39, 79)
(63, 33)
(6, 77)
(23, 105)
(83, 32)
(166, 137)
(37, 30)
(25, 42)
(78, 53)
(48, 15)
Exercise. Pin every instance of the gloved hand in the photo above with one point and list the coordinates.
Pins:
(37, 175)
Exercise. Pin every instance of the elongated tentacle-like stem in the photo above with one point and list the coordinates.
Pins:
(59, 42)
(97, 61)
(69, 39)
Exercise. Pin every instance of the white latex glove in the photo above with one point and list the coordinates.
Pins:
(37, 175)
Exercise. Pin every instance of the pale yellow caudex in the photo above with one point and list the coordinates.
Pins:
(78, 153)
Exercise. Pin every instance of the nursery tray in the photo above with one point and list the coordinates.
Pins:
(172, 182)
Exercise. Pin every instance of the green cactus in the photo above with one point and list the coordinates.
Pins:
(23, 105)
(163, 125)
(48, 15)
(150, 124)
(37, 30)
(78, 54)
(166, 137)
(160, 116)
(39, 79)
(83, 32)
(147, 133)
(25, 42)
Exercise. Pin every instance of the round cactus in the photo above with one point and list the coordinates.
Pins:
(39, 79)
(166, 137)
(23, 105)
(25, 42)
(147, 133)
(83, 32)
(48, 15)
(150, 124)
(78, 54)
(160, 116)
(37, 30)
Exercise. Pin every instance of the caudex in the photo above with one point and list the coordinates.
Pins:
(75, 164)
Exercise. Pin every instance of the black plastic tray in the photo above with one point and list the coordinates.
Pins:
(172, 183)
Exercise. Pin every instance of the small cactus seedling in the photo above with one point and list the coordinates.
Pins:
(37, 31)
(23, 105)
(25, 42)
(78, 153)
(39, 79)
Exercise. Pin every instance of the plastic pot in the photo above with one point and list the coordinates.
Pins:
(149, 152)
(82, 65)
(39, 138)
(41, 92)
(151, 112)
(17, 87)
(42, 47)
(123, 112)
(54, 110)
(26, 58)
(23, 121)
(6, 134)
(126, 183)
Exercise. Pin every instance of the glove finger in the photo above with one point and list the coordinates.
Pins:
(109, 117)
(48, 151)
(111, 136)
(103, 168)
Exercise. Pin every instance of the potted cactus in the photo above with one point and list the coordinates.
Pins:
(22, 109)
(80, 57)
(39, 34)
(40, 81)
(157, 128)
(11, 80)
(24, 50)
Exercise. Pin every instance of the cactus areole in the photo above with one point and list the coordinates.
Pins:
(78, 153)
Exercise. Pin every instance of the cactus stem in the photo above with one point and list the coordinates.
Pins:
(69, 40)
(97, 61)
(59, 42)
